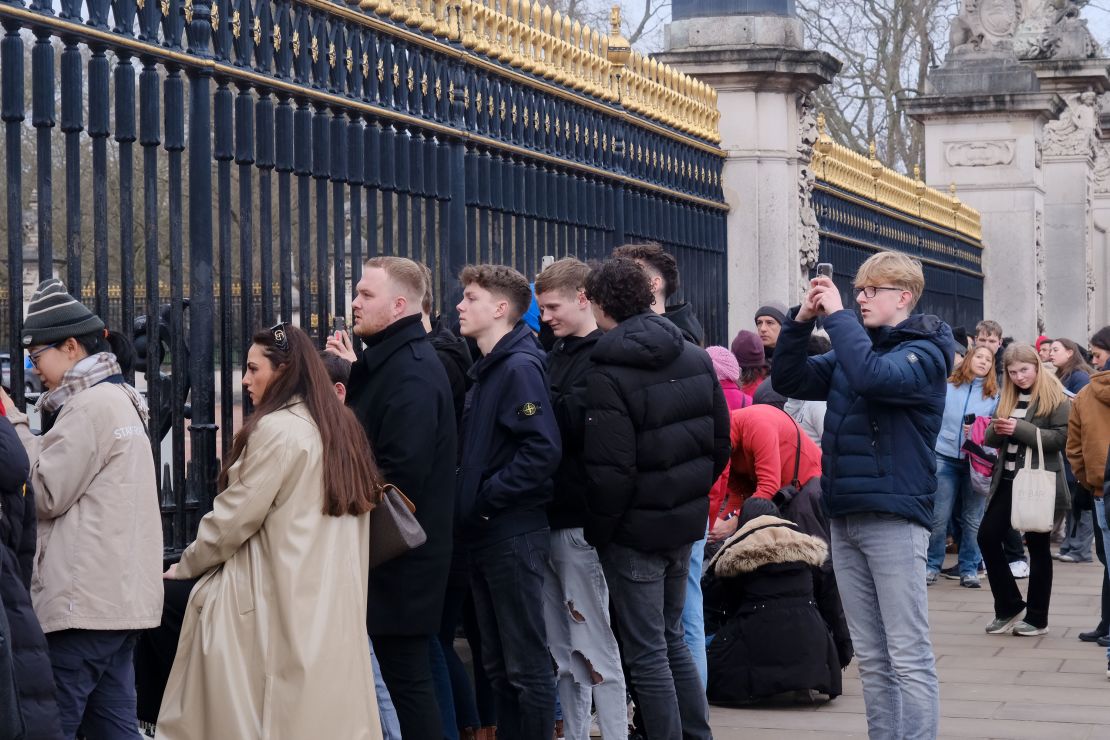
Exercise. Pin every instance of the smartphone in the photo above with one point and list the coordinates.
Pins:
(547, 262)
(338, 323)
(825, 269)
(969, 419)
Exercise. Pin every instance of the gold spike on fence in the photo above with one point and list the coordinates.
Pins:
(866, 176)
(535, 39)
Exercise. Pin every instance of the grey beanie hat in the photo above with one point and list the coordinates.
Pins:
(774, 309)
(54, 315)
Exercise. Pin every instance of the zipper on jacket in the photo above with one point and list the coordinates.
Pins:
(875, 446)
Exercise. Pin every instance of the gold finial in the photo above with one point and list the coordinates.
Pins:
(620, 50)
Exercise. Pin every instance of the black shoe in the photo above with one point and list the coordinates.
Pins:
(1092, 636)
(1103, 641)
(952, 574)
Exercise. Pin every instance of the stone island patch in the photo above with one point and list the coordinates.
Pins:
(911, 357)
(528, 409)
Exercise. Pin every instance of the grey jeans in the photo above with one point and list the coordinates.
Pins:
(580, 637)
(649, 591)
(879, 560)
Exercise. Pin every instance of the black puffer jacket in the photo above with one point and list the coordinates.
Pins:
(682, 315)
(656, 437)
(568, 365)
(33, 674)
(775, 637)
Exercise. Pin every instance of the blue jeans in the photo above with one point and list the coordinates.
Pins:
(954, 490)
(391, 726)
(95, 678)
(879, 560)
(507, 577)
(648, 590)
(693, 614)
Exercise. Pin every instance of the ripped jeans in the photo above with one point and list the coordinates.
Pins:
(576, 612)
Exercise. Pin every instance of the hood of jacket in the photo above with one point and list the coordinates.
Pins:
(1100, 387)
(767, 540)
(916, 328)
(520, 339)
(644, 341)
(682, 315)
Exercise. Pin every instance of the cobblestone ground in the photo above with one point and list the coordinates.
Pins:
(992, 686)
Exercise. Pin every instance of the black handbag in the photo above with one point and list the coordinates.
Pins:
(786, 494)
(393, 527)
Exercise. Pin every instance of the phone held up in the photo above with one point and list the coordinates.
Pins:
(825, 269)
(338, 323)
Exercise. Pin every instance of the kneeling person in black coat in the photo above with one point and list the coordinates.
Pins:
(656, 438)
(772, 632)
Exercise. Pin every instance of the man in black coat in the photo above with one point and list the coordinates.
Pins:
(510, 450)
(400, 392)
(656, 439)
(34, 677)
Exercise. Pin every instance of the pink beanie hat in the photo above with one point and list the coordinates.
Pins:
(724, 363)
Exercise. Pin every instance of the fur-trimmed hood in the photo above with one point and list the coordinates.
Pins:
(766, 540)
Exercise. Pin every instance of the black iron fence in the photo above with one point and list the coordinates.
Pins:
(282, 142)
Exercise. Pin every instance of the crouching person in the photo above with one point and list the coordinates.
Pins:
(771, 635)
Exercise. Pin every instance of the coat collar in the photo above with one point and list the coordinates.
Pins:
(382, 345)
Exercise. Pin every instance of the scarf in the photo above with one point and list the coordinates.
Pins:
(85, 374)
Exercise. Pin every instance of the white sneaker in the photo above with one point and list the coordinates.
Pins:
(1020, 569)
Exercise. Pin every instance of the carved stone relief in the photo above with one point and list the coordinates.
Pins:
(808, 238)
(1073, 134)
(1102, 168)
(985, 25)
(1039, 256)
(1052, 29)
(979, 153)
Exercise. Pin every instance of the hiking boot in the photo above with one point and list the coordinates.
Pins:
(970, 581)
(1024, 629)
(952, 574)
(1002, 625)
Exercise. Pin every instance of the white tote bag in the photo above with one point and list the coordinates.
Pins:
(1034, 499)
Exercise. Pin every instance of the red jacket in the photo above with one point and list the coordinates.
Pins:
(736, 399)
(764, 443)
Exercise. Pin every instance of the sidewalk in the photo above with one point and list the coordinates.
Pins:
(992, 686)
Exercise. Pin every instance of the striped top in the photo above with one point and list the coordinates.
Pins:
(1011, 458)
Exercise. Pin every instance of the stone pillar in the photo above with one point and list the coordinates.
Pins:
(1098, 284)
(753, 53)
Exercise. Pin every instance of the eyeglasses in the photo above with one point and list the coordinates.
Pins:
(870, 291)
(281, 338)
(34, 356)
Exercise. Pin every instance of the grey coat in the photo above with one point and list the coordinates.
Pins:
(1054, 438)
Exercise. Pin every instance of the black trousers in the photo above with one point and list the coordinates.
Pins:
(1007, 597)
(407, 672)
(1104, 614)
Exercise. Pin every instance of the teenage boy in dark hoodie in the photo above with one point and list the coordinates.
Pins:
(885, 386)
(510, 451)
(576, 598)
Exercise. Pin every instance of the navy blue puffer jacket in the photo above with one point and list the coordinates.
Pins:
(885, 389)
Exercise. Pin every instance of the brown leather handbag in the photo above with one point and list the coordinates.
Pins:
(393, 527)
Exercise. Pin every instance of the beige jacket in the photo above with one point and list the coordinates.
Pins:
(274, 642)
(99, 559)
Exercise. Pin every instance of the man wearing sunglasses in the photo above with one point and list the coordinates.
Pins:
(885, 386)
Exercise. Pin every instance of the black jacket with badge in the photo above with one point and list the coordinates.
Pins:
(656, 437)
(34, 677)
(510, 444)
(567, 368)
(400, 393)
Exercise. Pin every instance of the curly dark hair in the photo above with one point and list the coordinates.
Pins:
(620, 287)
(653, 255)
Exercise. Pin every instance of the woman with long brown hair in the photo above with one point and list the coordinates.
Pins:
(1033, 405)
(274, 640)
(1071, 367)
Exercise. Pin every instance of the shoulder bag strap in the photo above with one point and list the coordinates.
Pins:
(797, 454)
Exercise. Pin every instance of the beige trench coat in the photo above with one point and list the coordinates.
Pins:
(273, 644)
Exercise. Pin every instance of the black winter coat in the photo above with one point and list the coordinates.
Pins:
(682, 315)
(455, 355)
(775, 636)
(657, 437)
(31, 660)
(567, 367)
(399, 391)
(510, 444)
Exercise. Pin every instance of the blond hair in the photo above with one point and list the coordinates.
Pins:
(567, 275)
(1046, 393)
(405, 273)
(893, 268)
